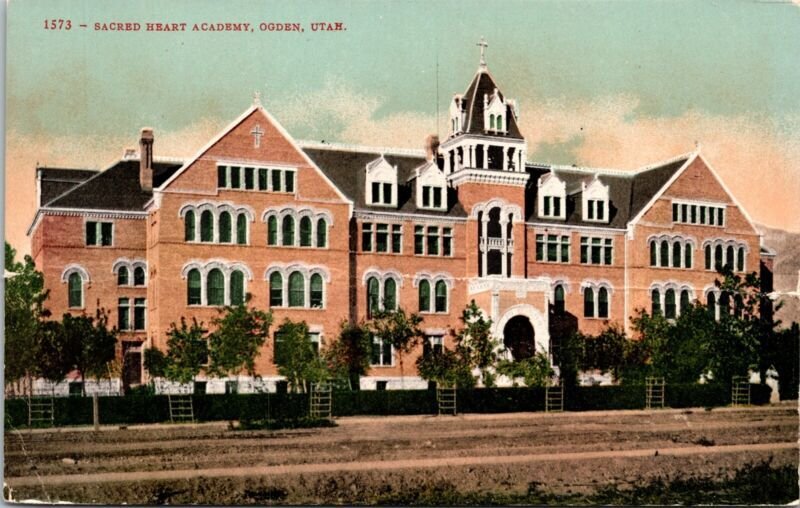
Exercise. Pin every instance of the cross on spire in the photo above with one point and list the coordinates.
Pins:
(256, 98)
(483, 45)
(257, 133)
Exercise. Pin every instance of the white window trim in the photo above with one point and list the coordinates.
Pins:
(256, 168)
(216, 209)
(382, 277)
(377, 340)
(433, 279)
(227, 268)
(306, 271)
(708, 204)
(596, 286)
(131, 265)
(98, 233)
(685, 242)
(298, 213)
(85, 281)
(662, 288)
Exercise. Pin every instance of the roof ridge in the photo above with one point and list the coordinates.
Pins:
(619, 171)
(345, 147)
(81, 184)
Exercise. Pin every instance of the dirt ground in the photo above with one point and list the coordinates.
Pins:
(365, 459)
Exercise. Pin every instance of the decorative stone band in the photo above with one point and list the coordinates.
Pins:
(488, 176)
(518, 285)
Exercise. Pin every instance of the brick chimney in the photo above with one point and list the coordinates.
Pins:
(431, 147)
(146, 159)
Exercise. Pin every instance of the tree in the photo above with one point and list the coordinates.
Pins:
(785, 357)
(475, 343)
(295, 356)
(240, 333)
(400, 330)
(349, 356)
(187, 352)
(535, 371)
(25, 314)
(446, 368)
(87, 345)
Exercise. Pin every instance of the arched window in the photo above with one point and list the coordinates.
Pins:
(602, 303)
(664, 253)
(491, 121)
(241, 229)
(237, 287)
(685, 302)
(711, 302)
(272, 230)
(424, 296)
(740, 260)
(669, 304)
(441, 296)
(193, 287)
(75, 290)
(288, 230)
(676, 255)
(499, 122)
(206, 226)
(305, 232)
(225, 227)
(724, 303)
(708, 257)
(297, 294)
(138, 276)
(653, 253)
(122, 276)
(729, 257)
(373, 296)
(322, 233)
(558, 300)
(588, 302)
(390, 294)
(188, 226)
(655, 302)
(275, 290)
(215, 287)
(316, 291)
(738, 305)
(687, 256)
(718, 257)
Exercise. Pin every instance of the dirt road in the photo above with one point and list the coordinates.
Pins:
(367, 457)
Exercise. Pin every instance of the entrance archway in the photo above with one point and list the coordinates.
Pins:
(519, 338)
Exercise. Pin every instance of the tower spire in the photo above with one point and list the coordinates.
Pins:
(483, 45)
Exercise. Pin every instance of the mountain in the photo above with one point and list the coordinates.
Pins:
(786, 270)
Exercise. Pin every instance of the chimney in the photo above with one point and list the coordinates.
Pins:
(431, 147)
(146, 159)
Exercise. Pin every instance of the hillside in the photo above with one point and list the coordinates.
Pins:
(787, 268)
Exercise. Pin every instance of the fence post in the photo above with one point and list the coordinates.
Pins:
(96, 411)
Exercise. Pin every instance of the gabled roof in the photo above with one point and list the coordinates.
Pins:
(629, 192)
(54, 182)
(347, 169)
(116, 188)
(481, 84)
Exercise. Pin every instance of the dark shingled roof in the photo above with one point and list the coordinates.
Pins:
(116, 188)
(482, 84)
(347, 170)
(56, 181)
(628, 194)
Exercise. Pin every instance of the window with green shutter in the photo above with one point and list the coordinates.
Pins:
(288, 183)
(139, 313)
(373, 296)
(249, 178)
(122, 276)
(123, 314)
(215, 287)
(138, 276)
(322, 233)
(305, 232)
(106, 229)
(222, 177)
(316, 291)
(296, 290)
(207, 226)
(75, 290)
(188, 226)
(424, 296)
(441, 296)
(272, 230)
(588, 302)
(276, 290)
(262, 179)
(236, 177)
(241, 229)
(288, 230)
(225, 227)
(602, 303)
(237, 287)
(193, 288)
(390, 294)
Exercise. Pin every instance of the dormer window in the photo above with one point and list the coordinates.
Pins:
(381, 183)
(431, 187)
(595, 201)
(552, 197)
(494, 116)
(457, 115)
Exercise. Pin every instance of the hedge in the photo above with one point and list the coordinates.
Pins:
(153, 409)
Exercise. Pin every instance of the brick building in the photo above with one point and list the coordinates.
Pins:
(325, 233)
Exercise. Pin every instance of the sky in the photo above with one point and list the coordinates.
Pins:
(606, 84)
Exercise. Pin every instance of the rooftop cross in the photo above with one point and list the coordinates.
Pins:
(483, 45)
(256, 98)
(257, 133)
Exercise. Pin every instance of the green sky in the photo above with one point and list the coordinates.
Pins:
(730, 57)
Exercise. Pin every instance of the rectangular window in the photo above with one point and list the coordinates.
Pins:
(720, 216)
(552, 248)
(232, 386)
(91, 233)
(688, 213)
(105, 233)
(547, 206)
(276, 180)
(315, 342)
(675, 212)
(382, 237)
(387, 194)
(608, 252)
(694, 214)
(702, 215)
(711, 215)
(447, 241)
(376, 192)
(565, 249)
(262, 179)
(601, 210)
(437, 197)
(433, 344)
(556, 206)
(222, 176)
(366, 237)
(139, 313)
(99, 233)
(123, 314)
(381, 352)
(419, 240)
(249, 178)
(584, 250)
(433, 241)
(590, 211)
(597, 251)
(279, 353)
(288, 184)
(539, 247)
(397, 238)
(426, 196)
(236, 177)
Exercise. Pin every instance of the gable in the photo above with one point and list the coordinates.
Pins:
(253, 140)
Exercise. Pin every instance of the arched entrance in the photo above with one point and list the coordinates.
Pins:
(519, 338)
